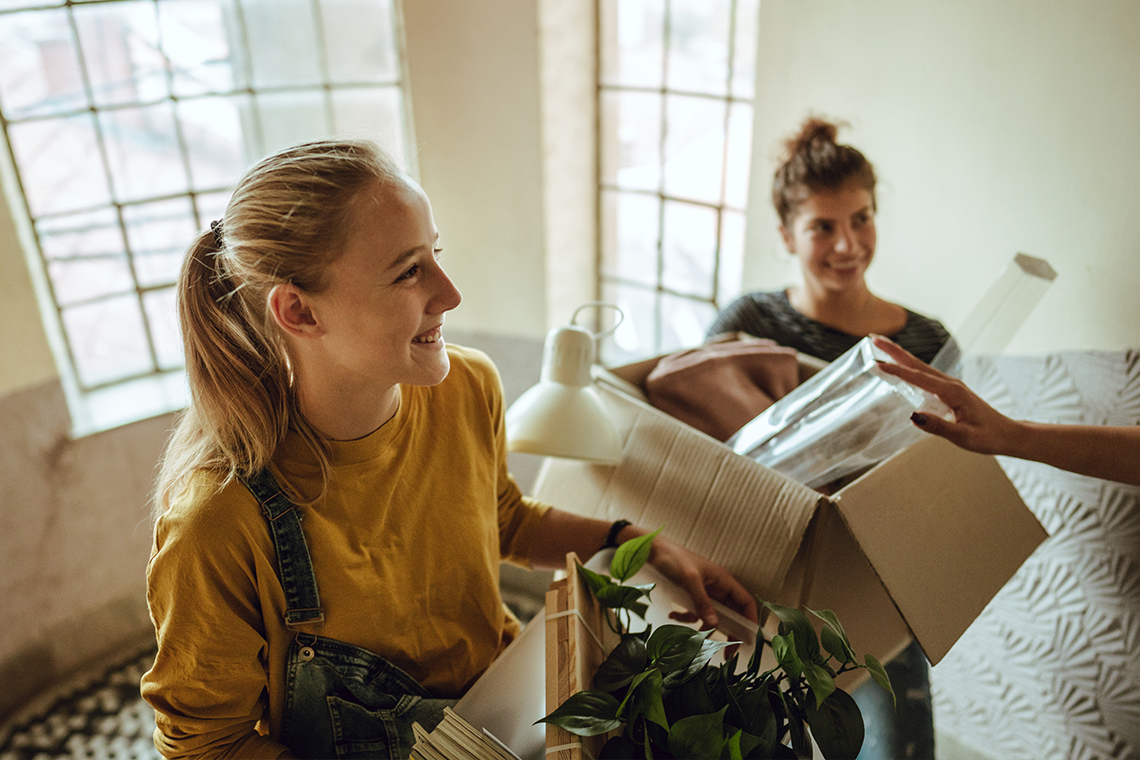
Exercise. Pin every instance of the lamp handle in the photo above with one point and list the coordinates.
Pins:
(603, 305)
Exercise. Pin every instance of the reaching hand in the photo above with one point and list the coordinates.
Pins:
(977, 426)
(703, 580)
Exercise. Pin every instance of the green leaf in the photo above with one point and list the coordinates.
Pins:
(819, 681)
(743, 743)
(620, 748)
(784, 647)
(690, 698)
(881, 677)
(836, 629)
(732, 746)
(800, 744)
(836, 725)
(672, 647)
(698, 736)
(632, 556)
(644, 700)
(615, 596)
(757, 651)
(587, 713)
(835, 646)
(795, 621)
(638, 608)
(623, 663)
(654, 677)
(759, 721)
(594, 581)
(709, 647)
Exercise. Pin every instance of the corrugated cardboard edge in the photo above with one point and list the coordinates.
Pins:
(917, 522)
(675, 477)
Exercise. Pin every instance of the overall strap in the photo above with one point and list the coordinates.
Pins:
(302, 603)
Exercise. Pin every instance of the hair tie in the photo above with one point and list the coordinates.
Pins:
(216, 228)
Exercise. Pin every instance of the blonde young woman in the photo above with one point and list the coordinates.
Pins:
(824, 195)
(334, 504)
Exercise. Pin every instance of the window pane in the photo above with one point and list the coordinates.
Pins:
(694, 148)
(159, 233)
(107, 340)
(199, 38)
(731, 274)
(689, 249)
(630, 224)
(636, 336)
(121, 51)
(162, 316)
(59, 163)
(629, 140)
(744, 54)
(211, 207)
(85, 256)
(290, 118)
(630, 42)
(375, 113)
(40, 75)
(143, 151)
(738, 171)
(282, 44)
(683, 322)
(213, 129)
(698, 45)
(359, 38)
(17, 4)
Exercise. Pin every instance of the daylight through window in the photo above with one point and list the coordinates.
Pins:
(128, 121)
(675, 97)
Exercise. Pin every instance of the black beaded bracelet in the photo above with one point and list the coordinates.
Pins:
(615, 529)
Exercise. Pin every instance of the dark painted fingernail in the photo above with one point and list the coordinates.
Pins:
(919, 419)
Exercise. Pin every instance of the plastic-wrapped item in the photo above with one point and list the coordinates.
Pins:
(846, 417)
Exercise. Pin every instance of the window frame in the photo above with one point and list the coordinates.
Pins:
(102, 405)
(717, 298)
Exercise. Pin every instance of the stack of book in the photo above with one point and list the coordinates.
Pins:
(456, 739)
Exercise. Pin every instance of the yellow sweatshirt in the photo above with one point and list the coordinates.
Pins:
(405, 545)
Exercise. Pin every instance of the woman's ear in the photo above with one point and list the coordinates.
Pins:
(292, 310)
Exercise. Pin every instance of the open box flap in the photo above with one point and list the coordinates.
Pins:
(708, 499)
(831, 573)
(916, 518)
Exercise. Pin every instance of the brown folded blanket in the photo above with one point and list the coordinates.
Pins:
(718, 387)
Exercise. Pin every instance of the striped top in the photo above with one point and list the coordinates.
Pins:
(771, 315)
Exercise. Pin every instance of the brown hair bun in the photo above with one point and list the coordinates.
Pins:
(814, 161)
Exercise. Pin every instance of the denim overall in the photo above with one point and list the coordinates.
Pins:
(340, 700)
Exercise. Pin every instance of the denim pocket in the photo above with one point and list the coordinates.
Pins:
(381, 730)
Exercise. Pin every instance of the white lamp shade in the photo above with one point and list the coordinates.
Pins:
(563, 416)
(560, 420)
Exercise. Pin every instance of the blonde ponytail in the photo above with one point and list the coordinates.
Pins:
(286, 222)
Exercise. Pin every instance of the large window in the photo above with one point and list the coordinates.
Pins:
(128, 121)
(675, 97)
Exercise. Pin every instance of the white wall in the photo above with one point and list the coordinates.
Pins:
(25, 359)
(474, 74)
(995, 127)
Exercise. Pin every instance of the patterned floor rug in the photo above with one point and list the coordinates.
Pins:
(100, 716)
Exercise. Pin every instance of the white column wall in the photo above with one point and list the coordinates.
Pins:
(995, 127)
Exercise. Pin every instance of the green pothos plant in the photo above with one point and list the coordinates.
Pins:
(659, 686)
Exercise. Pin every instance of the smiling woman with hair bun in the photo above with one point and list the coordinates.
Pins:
(824, 195)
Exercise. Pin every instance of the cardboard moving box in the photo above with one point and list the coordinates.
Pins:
(919, 544)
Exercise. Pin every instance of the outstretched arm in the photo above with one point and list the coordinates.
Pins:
(1109, 452)
(561, 532)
